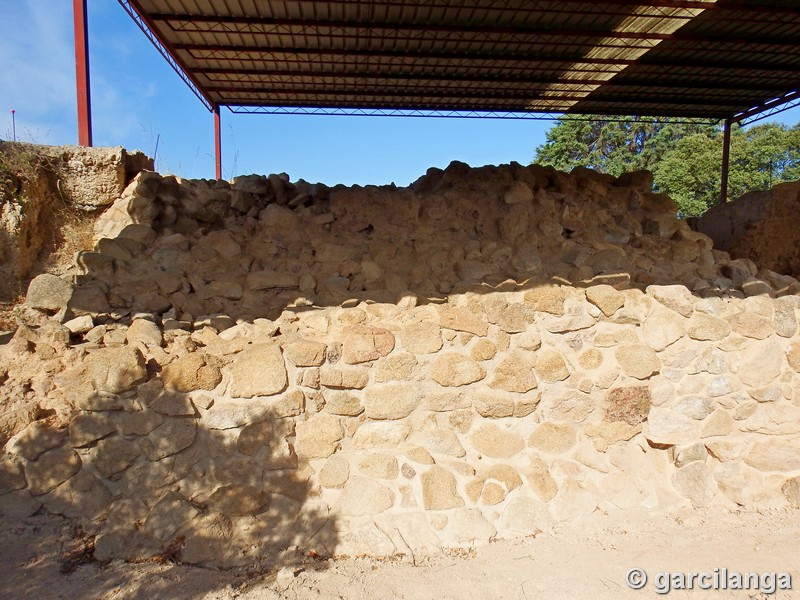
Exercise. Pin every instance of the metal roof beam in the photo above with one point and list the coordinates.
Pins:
(577, 92)
(781, 77)
(769, 105)
(696, 112)
(394, 53)
(478, 55)
(445, 113)
(256, 75)
(787, 7)
(332, 64)
(578, 45)
(602, 7)
(467, 95)
(304, 25)
(306, 108)
(466, 56)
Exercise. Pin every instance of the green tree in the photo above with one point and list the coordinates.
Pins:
(614, 146)
(685, 157)
(761, 157)
(690, 172)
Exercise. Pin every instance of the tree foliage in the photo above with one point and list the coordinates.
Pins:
(685, 157)
(613, 147)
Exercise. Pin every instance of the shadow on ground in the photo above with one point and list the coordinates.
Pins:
(158, 486)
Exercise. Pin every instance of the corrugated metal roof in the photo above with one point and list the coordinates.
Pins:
(688, 58)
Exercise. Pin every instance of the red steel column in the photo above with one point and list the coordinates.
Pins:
(217, 143)
(726, 159)
(82, 72)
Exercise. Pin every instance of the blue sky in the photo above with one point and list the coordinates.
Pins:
(137, 99)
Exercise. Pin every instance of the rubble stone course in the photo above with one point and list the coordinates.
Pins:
(377, 370)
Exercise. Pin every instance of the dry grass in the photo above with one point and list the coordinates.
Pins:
(73, 232)
(21, 163)
(8, 321)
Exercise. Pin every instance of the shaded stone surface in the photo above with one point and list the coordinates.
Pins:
(238, 500)
(172, 436)
(258, 371)
(51, 469)
(33, 440)
(88, 428)
(191, 373)
(48, 292)
(115, 370)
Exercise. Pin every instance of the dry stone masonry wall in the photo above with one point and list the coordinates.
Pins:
(248, 369)
(761, 226)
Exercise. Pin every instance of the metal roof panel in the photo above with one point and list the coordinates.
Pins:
(683, 57)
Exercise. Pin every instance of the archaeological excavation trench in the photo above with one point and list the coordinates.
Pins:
(242, 369)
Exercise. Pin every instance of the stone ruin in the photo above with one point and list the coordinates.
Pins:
(39, 185)
(240, 371)
(761, 226)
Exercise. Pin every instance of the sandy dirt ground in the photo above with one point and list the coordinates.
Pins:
(41, 558)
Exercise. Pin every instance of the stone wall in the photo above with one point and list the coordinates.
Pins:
(246, 370)
(760, 226)
(40, 186)
(92, 178)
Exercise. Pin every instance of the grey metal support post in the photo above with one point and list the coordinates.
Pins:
(726, 159)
